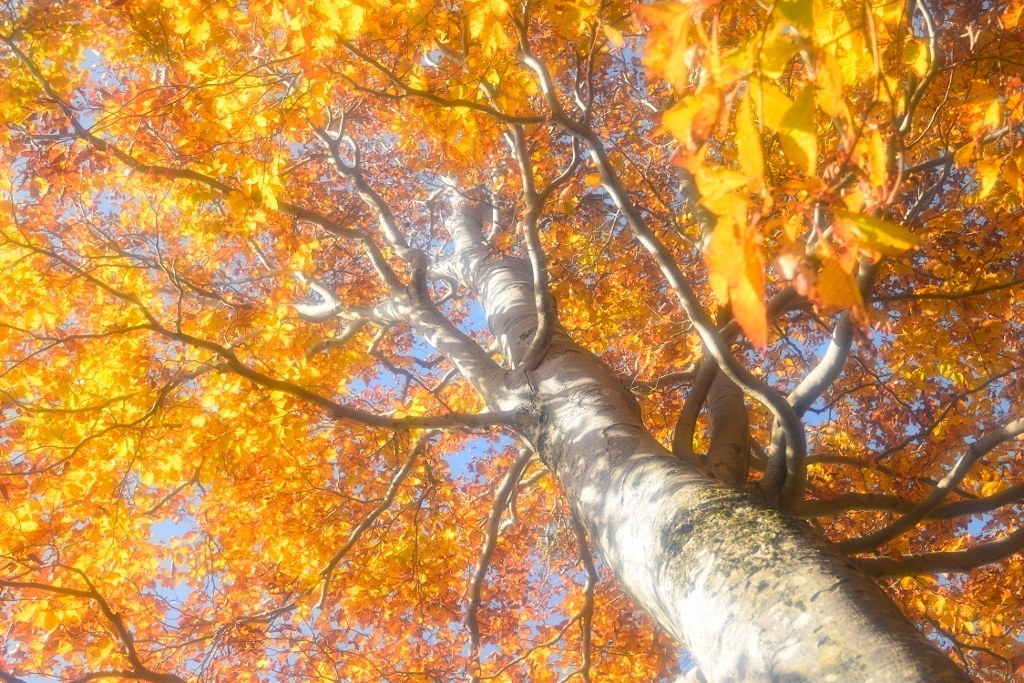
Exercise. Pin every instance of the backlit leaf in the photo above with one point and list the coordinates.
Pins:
(798, 135)
(879, 235)
(988, 174)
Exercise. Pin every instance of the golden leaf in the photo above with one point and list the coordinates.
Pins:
(613, 35)
(748, 140)
(736, 274)
(988, 173)
(770, 104)
(798, 137)
(837, 289)
(963, 156)
(879, 235)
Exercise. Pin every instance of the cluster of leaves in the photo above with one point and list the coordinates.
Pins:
(198, 483)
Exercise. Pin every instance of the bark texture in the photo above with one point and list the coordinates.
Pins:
(753, 594)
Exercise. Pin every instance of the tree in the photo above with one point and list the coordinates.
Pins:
(335, 332)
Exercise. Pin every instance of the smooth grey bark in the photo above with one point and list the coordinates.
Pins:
(752, 594)
(728, 455)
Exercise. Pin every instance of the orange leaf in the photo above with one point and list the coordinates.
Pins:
(836, 288)
(667, 40)
(736, 273)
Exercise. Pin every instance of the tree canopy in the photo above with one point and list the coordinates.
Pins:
(231, 451)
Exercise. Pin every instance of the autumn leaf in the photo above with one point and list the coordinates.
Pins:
(797, 133)
(837, 289)
(748, 140)
(736, 274)
(613, 35)
(879, 235)
(988, 174)
(667, 39)
(798, 13)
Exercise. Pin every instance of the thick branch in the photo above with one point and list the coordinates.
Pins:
(849, 502)
(353, 172)
(828, 369)
(682, 441)
(944, 562)
(728, 457)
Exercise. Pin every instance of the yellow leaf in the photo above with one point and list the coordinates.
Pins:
(593, 179)
(614, 35)
(799, 140)
(878, 159)
(992, 487)
(736, 274)
(830, 84)
(774, 55)
(836, 288)
(988, 173)
(962, 157)
(694, 118)
(748, 140)
(50, 621)
(878, 235)
(1011, 174)
(200, 32)
(1012, 14)
(770, 104)
(993, 114)
(798, 13)
(715, 184)
(915, 55)
(665, 51)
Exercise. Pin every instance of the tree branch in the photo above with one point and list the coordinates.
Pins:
(501, 499)
(380, 264)
(953, 401)
(686, 424)
(408, 90)
(586, 612)
(974, 452)
(849, 502)
(728, 456)
(944, 562)
(535, 202)
(947, 296)
(335, 410)
(139, 670)
(828, 369)
(353, 172)
(415, 450)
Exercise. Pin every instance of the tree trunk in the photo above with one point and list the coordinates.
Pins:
(752, 594)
